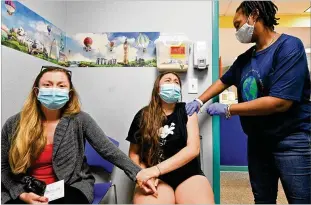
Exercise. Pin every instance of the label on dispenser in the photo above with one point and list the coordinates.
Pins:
(178, 51)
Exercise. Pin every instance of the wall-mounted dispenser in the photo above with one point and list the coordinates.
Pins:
(200, 56)
(173, 52)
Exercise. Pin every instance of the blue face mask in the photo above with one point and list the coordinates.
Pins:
(170, 93)
(53, 98)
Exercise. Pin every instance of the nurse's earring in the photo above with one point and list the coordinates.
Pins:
(255, 15)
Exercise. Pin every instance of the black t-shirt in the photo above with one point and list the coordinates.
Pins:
(172, 139)
(173, 133)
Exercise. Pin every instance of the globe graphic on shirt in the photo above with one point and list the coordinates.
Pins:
(250, 89)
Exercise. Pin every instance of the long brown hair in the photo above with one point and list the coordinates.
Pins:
(152, 120)
(29, 140)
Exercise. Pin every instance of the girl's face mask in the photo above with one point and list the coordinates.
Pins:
(170, 92)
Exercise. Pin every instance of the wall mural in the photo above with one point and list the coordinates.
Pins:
(26, 31)
(130, 49)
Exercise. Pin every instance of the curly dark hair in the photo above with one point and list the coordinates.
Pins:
(267, 11)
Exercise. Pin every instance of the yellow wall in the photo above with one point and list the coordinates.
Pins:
(285, 21)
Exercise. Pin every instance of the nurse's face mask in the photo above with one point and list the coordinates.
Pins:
(245, 33)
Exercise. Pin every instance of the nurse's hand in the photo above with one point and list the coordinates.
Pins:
(192, 107)
(217, 109)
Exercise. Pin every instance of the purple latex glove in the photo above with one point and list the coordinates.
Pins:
(217, 109)
(192, 107)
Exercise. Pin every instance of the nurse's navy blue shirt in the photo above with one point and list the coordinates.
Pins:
(281, 71)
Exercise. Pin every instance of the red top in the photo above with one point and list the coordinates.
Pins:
(42, 169)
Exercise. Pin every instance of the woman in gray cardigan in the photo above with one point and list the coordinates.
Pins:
(46, 142)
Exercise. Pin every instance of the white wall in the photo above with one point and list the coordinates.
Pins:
(230, 47)
(19, 69)
(114, 95)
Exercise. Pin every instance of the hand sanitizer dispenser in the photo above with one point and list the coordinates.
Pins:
(200, 56)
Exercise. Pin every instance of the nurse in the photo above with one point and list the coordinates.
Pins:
(273, 84)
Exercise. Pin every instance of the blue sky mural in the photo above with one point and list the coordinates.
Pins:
(26, 31)
(108, 49)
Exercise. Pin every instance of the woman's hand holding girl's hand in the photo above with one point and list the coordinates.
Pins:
(145, 174)
(147, 180)
(148, 191)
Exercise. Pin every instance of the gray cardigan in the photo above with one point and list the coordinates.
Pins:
(68, 158)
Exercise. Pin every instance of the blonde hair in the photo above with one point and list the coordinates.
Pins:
(29, 140)
(151, 121)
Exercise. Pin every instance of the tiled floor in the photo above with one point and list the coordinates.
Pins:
(236, 189)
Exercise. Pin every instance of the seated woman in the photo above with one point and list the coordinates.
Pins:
(166, 142)
(45, 143)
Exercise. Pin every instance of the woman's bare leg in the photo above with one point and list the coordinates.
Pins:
(195, 190)
(165, 195)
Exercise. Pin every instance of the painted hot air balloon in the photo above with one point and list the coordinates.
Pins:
(111, 45)
(87, 42)
(10, 7)
(142, 41)
(49, 29)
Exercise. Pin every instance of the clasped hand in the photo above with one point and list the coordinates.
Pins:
(147, 180)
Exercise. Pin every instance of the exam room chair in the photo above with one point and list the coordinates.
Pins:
(95, 160)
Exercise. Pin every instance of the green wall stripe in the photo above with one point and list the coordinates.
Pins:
(234, 168)
(215, 119)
